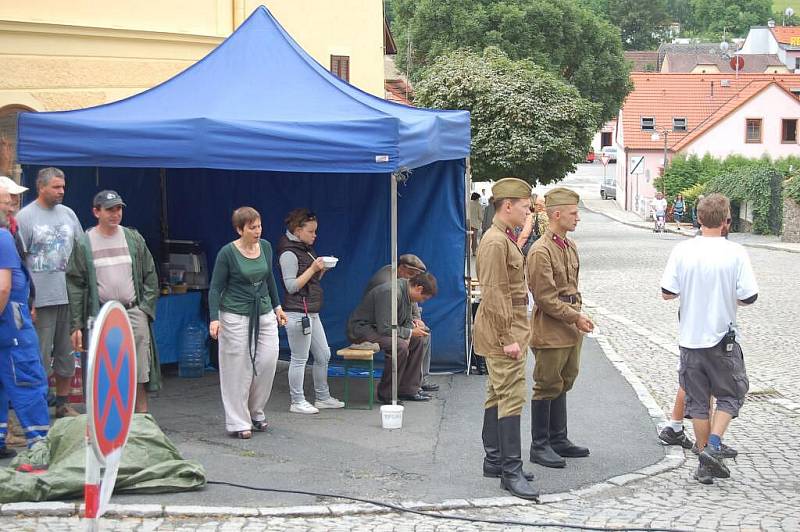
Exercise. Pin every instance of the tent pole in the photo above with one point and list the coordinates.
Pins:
(468, 265)
(164, 219)
(393, 188)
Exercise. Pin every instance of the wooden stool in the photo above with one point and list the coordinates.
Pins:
(358, 358)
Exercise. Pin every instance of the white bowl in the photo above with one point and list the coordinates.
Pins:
(329, 262)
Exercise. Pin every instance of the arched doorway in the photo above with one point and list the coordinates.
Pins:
(8, 139)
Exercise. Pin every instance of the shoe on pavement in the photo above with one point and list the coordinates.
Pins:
(66, 410)
(416, 397)
(428, 386)
(668, 436)
(330, 402)
(703, 475)
(715, 462)
(727, 451)
(303, 408)
(5, 452)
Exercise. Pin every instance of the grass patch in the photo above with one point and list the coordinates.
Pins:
(779, 6)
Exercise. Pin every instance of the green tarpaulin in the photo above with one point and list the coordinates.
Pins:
(150, 464)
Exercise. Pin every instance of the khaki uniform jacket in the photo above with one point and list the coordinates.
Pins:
(502, 317)
(553, 272)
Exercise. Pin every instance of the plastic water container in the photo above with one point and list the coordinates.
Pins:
(192, 356)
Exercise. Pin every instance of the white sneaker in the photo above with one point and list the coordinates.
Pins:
(330, 402)
(303, 408)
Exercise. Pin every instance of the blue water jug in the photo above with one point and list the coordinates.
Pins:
(192, 356)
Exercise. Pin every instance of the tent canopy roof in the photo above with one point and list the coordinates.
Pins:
(256, 102)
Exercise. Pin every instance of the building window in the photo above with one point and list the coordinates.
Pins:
(648, 123)
(340, 66)
(679, 124)
(789, 131)
(753, 131)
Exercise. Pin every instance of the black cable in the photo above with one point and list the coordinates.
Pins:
(443, 516)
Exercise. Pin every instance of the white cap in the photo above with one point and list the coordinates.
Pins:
(11, 186)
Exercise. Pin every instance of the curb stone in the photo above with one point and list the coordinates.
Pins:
(673, 459)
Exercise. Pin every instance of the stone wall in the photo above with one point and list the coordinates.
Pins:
(791, 221)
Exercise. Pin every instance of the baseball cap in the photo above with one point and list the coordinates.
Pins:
(413, 261)
(11, 186)
(105, 199)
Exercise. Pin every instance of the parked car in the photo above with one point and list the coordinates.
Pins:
(590, 156)
(608, 188)
(611, 153)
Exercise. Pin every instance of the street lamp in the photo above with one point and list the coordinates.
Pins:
(655, 137)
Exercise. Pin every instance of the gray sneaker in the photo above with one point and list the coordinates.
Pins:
(703, 475)
(668, 436)
(728, 452)
(715, 462)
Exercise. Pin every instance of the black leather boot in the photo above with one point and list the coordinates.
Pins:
(541, 452)
(558, 430)
(512, 477)
(492, 462)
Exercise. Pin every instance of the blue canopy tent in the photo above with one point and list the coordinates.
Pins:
(259, 122)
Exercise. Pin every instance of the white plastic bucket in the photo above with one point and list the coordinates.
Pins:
(392, 416)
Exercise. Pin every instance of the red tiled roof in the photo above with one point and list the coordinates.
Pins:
(785, 34)
(699, 98)
(398, 91)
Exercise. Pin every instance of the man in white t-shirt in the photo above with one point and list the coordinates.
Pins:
(712, 276)
(659, 205)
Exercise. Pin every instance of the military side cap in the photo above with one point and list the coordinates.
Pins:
(561, 196)
(511, 187)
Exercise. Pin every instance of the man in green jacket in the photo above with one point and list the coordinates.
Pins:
(371, 321)
(112, 263)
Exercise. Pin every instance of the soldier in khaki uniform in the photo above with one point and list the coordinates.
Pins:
(557, 330)
(501, 335)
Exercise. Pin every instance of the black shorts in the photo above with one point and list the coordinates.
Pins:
(714, 372)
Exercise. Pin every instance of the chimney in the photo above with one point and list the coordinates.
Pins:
(771, 23)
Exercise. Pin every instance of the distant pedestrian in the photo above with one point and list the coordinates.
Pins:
(245, 314)
(501, 334)
(711, 276)
(488, 216)
(49, 231)
(558, 324)
(475, 220)
(695, 221)
(678, 210)
(485, 199)
(302, 271)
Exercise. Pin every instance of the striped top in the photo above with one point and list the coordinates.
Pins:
(114, 266)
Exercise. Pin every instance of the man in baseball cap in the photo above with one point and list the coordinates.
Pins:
(116, 258)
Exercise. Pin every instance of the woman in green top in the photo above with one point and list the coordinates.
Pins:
(245, 315)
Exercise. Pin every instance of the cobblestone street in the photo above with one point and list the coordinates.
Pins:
(620, 274)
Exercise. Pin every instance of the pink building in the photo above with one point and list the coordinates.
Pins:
(698, 114)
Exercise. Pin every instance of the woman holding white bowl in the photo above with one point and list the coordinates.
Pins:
(302, 270)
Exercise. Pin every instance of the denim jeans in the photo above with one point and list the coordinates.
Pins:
(301, 344)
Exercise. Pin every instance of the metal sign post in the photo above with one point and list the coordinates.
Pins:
(110, 400)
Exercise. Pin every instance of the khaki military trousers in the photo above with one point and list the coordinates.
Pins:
(555, 370)
(506, 388)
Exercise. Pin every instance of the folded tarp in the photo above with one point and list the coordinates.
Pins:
(150, 464)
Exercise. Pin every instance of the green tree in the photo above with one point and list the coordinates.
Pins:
(641, 22)
(559, 35)
(733, 17)
(526, 122)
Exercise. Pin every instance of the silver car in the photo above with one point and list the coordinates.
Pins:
(608, 188)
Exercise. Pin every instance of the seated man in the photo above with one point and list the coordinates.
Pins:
(408, 266)
(371, 321)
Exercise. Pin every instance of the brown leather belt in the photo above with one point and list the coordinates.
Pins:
(519, 301)
(569, 299)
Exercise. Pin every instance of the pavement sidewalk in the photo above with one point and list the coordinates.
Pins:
(436, 457)
(611, 209)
